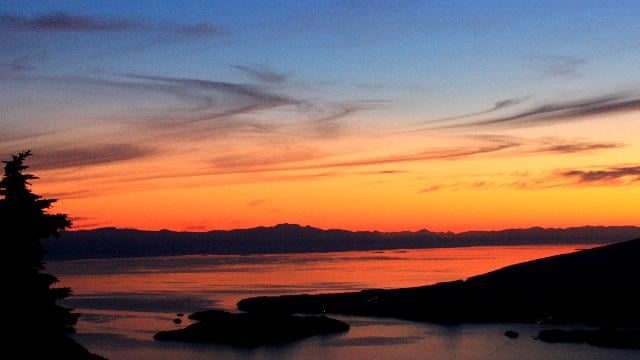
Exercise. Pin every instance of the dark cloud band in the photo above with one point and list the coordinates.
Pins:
(86, 155)
(63, 22)
(609, 174)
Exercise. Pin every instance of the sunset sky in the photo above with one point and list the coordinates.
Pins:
(362, 115)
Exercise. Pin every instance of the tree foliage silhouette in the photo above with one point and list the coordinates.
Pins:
(24, 223)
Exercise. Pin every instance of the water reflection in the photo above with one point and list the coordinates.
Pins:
(125, 301)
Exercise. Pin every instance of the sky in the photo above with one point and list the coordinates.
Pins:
(361, 115)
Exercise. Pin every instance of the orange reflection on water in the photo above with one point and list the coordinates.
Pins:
(125, 301)
(227, 279)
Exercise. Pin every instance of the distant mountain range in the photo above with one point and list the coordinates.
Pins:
(291, 238)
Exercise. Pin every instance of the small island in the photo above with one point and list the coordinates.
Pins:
(251, 329)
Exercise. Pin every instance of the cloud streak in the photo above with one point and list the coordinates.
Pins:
(298, 159)
(559, 112)
(235, 88)
(251, 98)
(261, 73)
(18, 65)
(189, 110)
(67, 22)
(201, 110)
(205, 106)
(264, 158)
(619, 175)
(576, 147)
(87, 155)
(607, 175)
(548, 145)
(449, 154)
(499, 105)
(63, 22)
(555, 65)
(494, 146)
(244, 99)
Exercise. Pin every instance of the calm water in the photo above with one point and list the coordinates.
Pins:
(125, 301)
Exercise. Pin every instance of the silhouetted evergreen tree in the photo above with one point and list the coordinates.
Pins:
(24, 223)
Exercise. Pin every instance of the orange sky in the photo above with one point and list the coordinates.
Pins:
(387, 182)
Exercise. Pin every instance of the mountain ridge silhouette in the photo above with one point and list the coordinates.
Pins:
(112, 242)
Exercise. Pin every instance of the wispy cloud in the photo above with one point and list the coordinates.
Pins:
(261, 73)
(448, 154)
(236, 88)
(555, 65)
(64, 22)
(9, 137)
(218, 108)
(203, 106)
(383, 172)
(15, 66)
(329, 124)
(547, 145)
(430, 188)
(329, 119)
(85, 155)
(68, 22)
(617, 175)
(607, 175)
(497, 106)
(570, 147)
(307, 159)
(492, 146)
(262, 159)
(306, 163)
(553, 112)
(527, 181)
(69, 195)
(249, 98)
(382, 86)
(196, 109)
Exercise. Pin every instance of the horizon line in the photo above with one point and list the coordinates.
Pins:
(355, 231)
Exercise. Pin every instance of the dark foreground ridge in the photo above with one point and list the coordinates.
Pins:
(60, 347)
(596, 286)
(291, 238)
(618, 338)
(251, 330)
